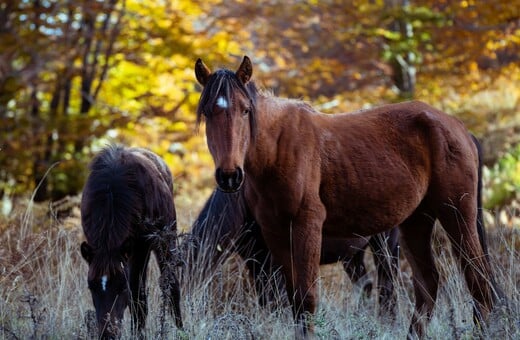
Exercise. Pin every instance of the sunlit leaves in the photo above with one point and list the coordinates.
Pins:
(504, 179)
(335, 54)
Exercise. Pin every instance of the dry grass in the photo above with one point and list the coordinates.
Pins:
(43, 292)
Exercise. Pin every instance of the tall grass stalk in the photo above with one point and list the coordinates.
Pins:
(43, 293)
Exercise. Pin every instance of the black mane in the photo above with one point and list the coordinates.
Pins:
(223, 83)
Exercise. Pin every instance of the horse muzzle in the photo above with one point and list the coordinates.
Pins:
(110, 327)
(229, 180)
(110, 330)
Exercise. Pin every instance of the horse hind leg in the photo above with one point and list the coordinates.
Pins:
(355, 269)
(416, 234)
(171, 290)
(460, 222)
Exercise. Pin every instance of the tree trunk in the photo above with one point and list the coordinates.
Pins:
(404, 71)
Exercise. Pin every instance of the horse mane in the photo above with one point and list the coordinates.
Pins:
(223, 213)
(110, 200)
(222, 83)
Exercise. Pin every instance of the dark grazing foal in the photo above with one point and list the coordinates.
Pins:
(225, 225)
(127, 210)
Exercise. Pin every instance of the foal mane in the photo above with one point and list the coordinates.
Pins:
(223, 83)
(111, 199)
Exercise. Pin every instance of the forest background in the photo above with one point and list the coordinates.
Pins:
(75, 76)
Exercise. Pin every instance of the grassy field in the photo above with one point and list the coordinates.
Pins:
(44, 295)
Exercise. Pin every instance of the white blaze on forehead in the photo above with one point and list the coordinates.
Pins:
(222, 102)
(104, 280)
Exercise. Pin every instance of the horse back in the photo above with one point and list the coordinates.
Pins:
(128, 193)
(378, 166)
(374, 168)
(156, 183)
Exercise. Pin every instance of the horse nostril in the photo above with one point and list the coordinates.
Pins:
(239, 176)
(229, 180)
(218, 175)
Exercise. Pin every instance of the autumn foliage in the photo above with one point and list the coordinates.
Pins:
(74, 76)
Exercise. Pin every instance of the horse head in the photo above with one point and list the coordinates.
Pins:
(108, 284)
(228, 105)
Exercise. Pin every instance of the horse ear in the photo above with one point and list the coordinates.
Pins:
(202, 72)
(245, 70)
(87, 252)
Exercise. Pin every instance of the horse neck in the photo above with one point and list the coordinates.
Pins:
(262, 150)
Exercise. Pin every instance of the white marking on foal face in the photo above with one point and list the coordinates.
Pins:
(222, 103)
(104, 280)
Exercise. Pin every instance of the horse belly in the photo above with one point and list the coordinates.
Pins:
(348, 227)
(369, 211)
(338, 249)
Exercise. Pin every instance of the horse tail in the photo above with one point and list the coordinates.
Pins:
(480, 218)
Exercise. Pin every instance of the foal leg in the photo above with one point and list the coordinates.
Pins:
(416, 234)
(266, 276)
(251, 246)
(461, 225)
(385, 248)
(169, 284)
(355, 269)
(138, 303)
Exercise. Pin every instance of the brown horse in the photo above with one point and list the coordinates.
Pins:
(226, 225)
(127, 210)
(308, 175)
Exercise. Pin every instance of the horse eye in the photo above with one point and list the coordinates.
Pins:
(246, 112)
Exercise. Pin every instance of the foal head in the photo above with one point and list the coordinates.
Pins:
(108, 285)
(228, 105)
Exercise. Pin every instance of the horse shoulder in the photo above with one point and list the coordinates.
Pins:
(292, 160)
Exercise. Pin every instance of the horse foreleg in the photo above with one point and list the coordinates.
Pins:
(305, 255)
(171, 290)
(138, 303)
(416, 234)
(298, 251)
